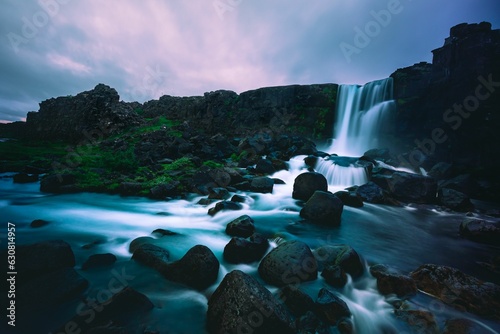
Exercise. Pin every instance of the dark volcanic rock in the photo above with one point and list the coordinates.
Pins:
(199, 268)
(25, 178)
(408, 187)
(371, 193)
(390, 281)
(265, 166)
(334, 275)
(224, 205)
(324, 208)
(297, 301)
(290, 263)
(240, 250)
(420, 321)
(43, 257)
(241, 227)
(123, 306)
(241, 305)
(454, 200)
(152, 256)
(99, 260)
(481, 230)
(330, 307)
(50, 289)
(307, 183)
(350, 199)
(262, 185)
(459, 290)
(39, 223)
(342, 255)
(58, 183)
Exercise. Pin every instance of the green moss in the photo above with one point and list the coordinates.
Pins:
(16, 154)
(183, 164)
(212, 164)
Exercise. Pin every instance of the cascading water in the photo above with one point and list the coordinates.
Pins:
(362, 112)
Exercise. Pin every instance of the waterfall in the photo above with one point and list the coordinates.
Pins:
(362, 112)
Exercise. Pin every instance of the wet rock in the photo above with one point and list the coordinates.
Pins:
(138, 242)
(123, 306)
(265, 166)
(164, 190)
(262, 185)
(408, 187)
(371, 193)
(382, 154)
(458, 326)
(306, 184)
(152, 256)
(455, 200)
(419, 321)
(342, 255)
(241, 305)
(350, 199)
(241, 227)
(199, 268)
(223, 177)
(238, 199)
(331, 308)
(480, 230)
(240, 250)
(297, 301)
(441, 170)
(130, 188)
(49, 289)
(459, 290)
(58, 183)
(390, 281)
(464, 183)
(311, 323)
(162, 232)
(291, 262)
(218, 193)
(99, 260)
(39, 223)
(334, 275)
(25, 178)
(43, 257)
(224, 206)
(323, 208)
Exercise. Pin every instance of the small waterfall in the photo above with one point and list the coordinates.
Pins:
(362, 111)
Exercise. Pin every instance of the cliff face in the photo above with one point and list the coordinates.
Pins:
(298, 109)
(450, 108)
(96, 112)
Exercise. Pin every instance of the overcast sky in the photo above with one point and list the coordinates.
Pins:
(149, 48)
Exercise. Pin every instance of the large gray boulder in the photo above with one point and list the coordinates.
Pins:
(241, 305)
(323, 208)
(291, 262)
(307, 183)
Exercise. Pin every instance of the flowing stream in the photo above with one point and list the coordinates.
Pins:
(403, 237)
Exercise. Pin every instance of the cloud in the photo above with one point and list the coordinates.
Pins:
(150, 48)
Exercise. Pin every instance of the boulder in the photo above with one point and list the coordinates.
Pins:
(441, 170)
(241, 305)
(240, 250)
(480, 230)
(39, 223)
(460, 326)
(323, 208)
(454, 200)
(43, 257)
(123, 306)
(58, 183)
(262, 185)
(224, 206)
(297, 301)
(390, 281)
(291, 262)
(49, 289)
(25, 178)
(342, 255)
(137, 242)
(198, 269)
(218, 193)
(350, 198)
(334, 275)
(464, 183)
(459, 290)
(331, 308)
(265, 166)
(419, 321)
(152, 256)
(371, 193)
(408, 187)
(307, 183)
(99, 260)
(164, 190)
(241, 227)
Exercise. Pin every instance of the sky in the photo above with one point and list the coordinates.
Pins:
(149, 48)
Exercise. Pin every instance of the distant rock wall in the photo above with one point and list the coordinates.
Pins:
(449, 110)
